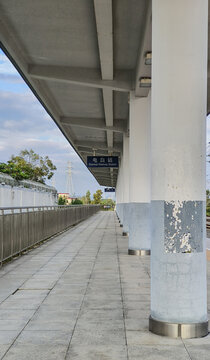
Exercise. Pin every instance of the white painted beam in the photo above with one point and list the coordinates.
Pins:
(101, 183)
(82, 76)
(90, 152)
(104, 171)
(143, 70)
(93, 123)
(97, 145)
(108, 110)
(101, 170)
(103, 176)
(103, 14)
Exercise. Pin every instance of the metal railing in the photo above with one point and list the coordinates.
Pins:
(23, 227)
(208, 222)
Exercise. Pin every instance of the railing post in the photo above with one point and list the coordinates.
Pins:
(28, 223)
(12, 232)
(43, 224)
(2, 237)
(21, 228)
(33, 222)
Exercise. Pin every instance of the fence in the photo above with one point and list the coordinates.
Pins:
(23, 227)
(208, 222)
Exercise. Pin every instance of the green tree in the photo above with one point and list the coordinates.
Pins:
(76, 202)
(97, 197)
(88, 197)
(18, 171)
(84, 200)
(29, 165)
(62, 200)
(108, 204)
(207, 202)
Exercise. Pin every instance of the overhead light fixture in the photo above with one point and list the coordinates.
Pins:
(148, 58)
(145, 82)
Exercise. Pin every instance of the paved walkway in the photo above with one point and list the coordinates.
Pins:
(80, 296)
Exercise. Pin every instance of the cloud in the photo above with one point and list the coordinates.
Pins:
(25, 124)
(6, 68)
(12, 78)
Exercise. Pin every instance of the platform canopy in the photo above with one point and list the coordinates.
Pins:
(82, 58)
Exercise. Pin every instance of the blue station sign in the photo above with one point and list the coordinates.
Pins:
(109, 189)
(102, 161)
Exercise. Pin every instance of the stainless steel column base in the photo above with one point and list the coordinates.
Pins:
(175, 330)
(138, 252)
(124, 233)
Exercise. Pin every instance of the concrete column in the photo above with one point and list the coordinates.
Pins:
(140, 176)
(119, 205)
(117, 195)
(125, 185)
(179, 83)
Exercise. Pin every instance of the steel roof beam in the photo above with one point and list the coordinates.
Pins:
(82, 76)
(97, 145)
(96, 124)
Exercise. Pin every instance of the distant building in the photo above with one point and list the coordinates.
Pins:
(67, 197)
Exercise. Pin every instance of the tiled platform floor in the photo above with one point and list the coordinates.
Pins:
(80, 296)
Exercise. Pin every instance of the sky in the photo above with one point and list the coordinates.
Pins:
(25, 124)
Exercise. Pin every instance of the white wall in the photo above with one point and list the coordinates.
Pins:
(25, 193)
(20, 196)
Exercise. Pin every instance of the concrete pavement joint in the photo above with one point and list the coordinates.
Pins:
(186, 349)
(123, 307)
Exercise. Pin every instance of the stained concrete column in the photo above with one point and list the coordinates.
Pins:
(119, 195)
(125, 182)
(116, 194)
(179, 83)
(140, 176)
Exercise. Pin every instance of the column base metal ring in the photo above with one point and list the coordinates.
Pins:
(124, 233)
(138, 252)
(175, 330)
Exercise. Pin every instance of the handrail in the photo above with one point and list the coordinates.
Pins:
(44, 206)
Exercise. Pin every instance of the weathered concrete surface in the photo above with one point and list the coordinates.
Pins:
(82, 297)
